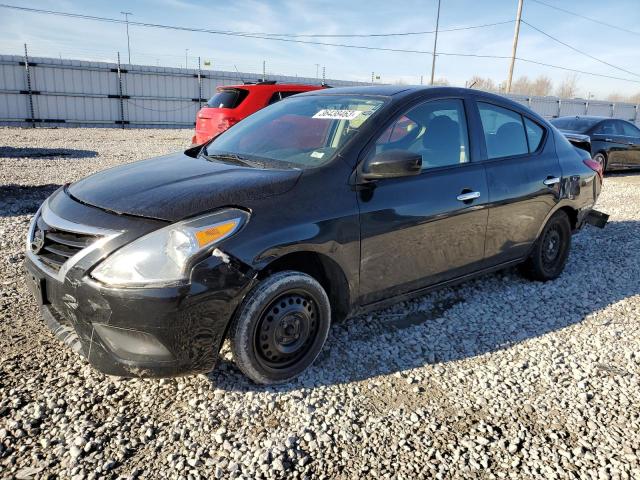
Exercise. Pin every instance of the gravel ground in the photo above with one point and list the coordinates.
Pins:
(499, 377)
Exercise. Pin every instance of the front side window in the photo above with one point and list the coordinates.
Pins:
(303, 132)
(504, 132)
(437, 130)
(608, 127)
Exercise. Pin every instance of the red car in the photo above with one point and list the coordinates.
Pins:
(232, 103)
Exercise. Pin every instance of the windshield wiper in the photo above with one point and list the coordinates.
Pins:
(228, 157)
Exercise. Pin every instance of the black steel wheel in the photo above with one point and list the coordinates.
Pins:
(280, 327)
(551, 250)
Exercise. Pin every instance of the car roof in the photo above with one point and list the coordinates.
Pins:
(587, 117)
(397, 92)
(271, 86)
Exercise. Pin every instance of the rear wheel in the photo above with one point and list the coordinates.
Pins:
(280, 327)
(601, 158)
(551, 250)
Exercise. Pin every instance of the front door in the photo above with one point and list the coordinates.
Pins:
(424, 229)
(611, 136)
(632, 138)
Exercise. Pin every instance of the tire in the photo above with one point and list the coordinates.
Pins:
(601, 158)
(551, 250)
(280, 327)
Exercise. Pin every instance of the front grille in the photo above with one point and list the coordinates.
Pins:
(54, 246)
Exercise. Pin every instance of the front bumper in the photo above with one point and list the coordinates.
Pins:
(148, 332)
(157, 332)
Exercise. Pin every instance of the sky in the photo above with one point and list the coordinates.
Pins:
(64, 37)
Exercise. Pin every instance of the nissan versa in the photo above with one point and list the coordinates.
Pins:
(327, 203)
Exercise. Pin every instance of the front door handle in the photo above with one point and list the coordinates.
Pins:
(550, 181)
(630, 143)
(465, 197)
(608, 140)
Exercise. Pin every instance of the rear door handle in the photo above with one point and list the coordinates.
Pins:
(608, 140)
(550, 181)
(465, 197)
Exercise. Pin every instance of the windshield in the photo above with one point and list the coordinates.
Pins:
(301, 132)
(574, 124)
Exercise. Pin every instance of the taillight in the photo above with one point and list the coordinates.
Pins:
(227, 123)
(595, 166)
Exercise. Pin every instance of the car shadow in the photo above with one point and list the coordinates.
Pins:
(466, 321)
(46, 153)
(18, 200)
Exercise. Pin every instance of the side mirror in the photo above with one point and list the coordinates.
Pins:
(391, 164)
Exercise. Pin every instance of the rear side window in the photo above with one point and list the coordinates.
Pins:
(503, 131)
(228, 98)
(534, 134)
(629, 130)
(277, 96)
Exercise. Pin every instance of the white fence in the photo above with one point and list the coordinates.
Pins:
(50, 91)
(78, 93)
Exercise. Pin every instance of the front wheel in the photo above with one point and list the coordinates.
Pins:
(551, 250)
(280, 327)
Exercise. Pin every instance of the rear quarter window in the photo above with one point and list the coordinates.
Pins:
(227, 98)
(535, 133)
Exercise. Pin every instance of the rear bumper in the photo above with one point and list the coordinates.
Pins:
(159, 332)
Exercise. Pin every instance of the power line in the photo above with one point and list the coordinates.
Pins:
(266, 34)
(308, 42)
(587, 18)
(535, 62)
(580, 51)
(398, 34)
(240, 34)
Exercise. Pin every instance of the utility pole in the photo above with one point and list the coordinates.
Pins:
(372, 78)
(186, 53)
(435, 45)
(324, 76)
(515, 45)
(264, 70)
(317, 68)
(126, 18)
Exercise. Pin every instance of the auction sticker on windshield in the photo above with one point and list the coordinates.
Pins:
(332, 114)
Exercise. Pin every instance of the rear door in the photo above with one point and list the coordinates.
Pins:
(424, 229)
(523, 176)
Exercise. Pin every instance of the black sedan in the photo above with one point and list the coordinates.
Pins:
(615, 144)
(323, 205)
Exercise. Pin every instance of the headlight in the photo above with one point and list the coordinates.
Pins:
(163, 257)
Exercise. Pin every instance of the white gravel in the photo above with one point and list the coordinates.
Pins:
(497, 378)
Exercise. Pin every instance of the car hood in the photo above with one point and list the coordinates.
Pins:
(177, 186)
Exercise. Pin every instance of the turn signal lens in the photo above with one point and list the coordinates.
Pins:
(216, 232)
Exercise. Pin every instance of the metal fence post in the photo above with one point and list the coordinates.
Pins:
(559, 106)
(199, 85)
(120, 93)
(29, 90)
(635, 116)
